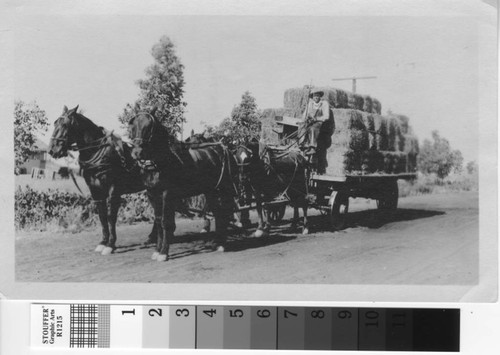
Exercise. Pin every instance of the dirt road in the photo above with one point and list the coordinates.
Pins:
(429, 240)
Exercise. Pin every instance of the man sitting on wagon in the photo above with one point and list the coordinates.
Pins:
(317, 130)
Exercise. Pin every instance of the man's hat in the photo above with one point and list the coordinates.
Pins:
(316, 92)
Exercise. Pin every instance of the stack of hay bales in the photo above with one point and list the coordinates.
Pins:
(368, 143)
(364, 142)
(296, 99)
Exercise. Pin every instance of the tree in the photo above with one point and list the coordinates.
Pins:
(162, 89)
(437, 157)
(244, 123)
(28, 120)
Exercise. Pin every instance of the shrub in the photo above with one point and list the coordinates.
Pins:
(38, 208)
(56, 210)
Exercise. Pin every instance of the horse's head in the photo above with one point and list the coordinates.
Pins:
(247, 159)
(199, 138)
(64, 134)
(141, 129)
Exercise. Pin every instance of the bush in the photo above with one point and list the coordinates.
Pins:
(37, 209)
(56, 210)
(432, 184)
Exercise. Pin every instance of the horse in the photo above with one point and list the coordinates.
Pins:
(107, 166)
(240, 219)
(174, 170)
(270, 174)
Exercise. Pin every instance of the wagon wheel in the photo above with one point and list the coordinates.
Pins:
(389, 201)
(276, 213)
(339, 206)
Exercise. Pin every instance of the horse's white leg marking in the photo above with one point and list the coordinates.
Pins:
(107, 251)
(161, 257)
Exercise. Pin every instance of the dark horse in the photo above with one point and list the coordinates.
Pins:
(272, 174)
(173, 170)
(107, 167)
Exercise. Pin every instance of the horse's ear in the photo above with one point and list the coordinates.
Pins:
(73, 110)
(153, 111)
(65, 109)
(131, 121)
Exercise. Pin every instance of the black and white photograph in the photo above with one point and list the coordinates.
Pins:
(323, 150)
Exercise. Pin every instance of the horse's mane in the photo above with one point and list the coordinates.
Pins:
(86, 123)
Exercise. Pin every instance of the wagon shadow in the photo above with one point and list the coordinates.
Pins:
(373, 219)
(248, 242)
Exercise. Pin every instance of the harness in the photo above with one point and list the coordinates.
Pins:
(265, 157)
(150, 165)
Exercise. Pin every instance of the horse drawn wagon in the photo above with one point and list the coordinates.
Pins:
(367, 156)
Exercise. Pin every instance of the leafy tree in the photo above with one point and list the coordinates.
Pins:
(162, 89)
(244, 123)
(28, 120)
(437, 157)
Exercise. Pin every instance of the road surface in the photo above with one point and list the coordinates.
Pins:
(429, 240)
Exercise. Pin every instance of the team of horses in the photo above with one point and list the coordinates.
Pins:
(170, 170)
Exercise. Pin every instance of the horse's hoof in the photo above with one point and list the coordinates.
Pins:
(99, 248)
(204, 231)
(305, 231)
(220, 248)
(149, 242)
(161, 257)
(259, 233)
(238, 225)
(107, 251)
(155, 255)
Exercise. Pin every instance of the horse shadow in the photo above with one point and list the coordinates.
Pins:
(239, 240)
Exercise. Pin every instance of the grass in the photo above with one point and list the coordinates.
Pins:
(431, 184)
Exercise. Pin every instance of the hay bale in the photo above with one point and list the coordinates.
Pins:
(296, 99)
(369, 123)
(392, 129)
(381, 132)
(372, 161)
(269, 125)
(404, 123)
(411, 144)
(367, 104)
(359, 102)
(376, 106)
(350, 131)
(342, 161)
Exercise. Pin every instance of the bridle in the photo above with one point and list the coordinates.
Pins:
(73, 146)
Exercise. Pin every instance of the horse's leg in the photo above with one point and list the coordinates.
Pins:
(237, 220)
(295, 220)
(168, 226)
(156, 202)
(114, 205)
(204, 214)
(245, 219)
(223, 213)
(216, 209)
(153, 236)
(262, 227)
(305, 228)
(103, 217)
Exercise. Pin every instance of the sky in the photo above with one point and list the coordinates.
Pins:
(435, 64)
